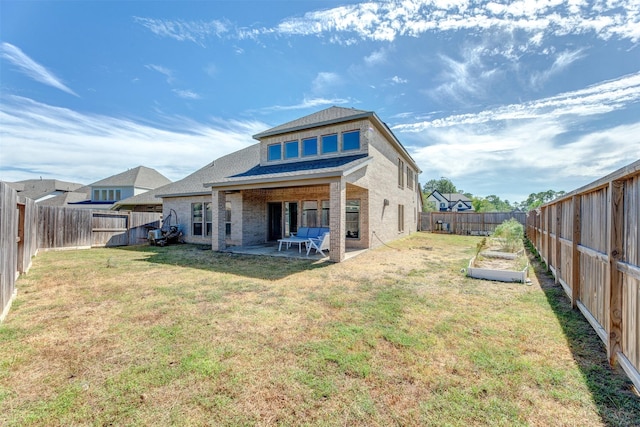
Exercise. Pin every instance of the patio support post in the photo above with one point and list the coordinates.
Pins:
(337, 218)
(218, 205)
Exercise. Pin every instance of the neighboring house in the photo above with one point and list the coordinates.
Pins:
(452, 202)
(339, 168)
(41, 190)
(117, 192)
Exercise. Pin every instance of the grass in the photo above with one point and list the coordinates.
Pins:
(397, 336)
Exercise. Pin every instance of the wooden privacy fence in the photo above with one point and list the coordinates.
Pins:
(473, 223)
(18, 242)
(79, 228)
(589, 240)
(26, 228)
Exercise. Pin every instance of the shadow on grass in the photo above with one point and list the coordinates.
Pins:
(202, 257)
(610, 388)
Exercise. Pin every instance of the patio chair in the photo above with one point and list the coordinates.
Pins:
(319, 244)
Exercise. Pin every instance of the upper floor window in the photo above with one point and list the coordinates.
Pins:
(109, 195)
(329, 143)
(351, 140)
(274, 152)
(400, 173)
(410, 177)
(310, 146)
(291, 150)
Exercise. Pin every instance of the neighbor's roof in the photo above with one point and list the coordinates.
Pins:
(231, 164)
(80, 195)
(140, 177)
(38, 188)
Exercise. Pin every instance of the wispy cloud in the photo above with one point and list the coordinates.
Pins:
(186, 94)
(597, 99)
(194, 31)
(529, 155)
(78, 147)
(376, 57)
(308, 103)
(385, 21)
(561, 62)
(162, 70)
(325, 81)
(31, 68)
(396, 80)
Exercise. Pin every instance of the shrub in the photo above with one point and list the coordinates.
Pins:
(511, 234)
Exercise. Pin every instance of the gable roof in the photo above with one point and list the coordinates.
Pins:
(450, 197)
(231, 164)
(139, 177)
(324, 117)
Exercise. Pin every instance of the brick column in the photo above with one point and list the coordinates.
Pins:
(337, 218)
(218, 208)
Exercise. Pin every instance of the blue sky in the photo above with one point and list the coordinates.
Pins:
(501, 97)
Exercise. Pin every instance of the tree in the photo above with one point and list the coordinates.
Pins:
(537, 199)
(443, 185)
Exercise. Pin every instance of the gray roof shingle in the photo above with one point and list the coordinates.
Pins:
(139, 177)
(231, 164)
(321, 118)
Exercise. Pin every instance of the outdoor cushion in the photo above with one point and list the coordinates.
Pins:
(303, 232)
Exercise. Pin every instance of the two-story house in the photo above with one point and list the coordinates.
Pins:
(339, 168)
(452, 202)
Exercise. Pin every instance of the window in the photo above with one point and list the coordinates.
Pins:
(325, 213)
(351, 140)
(118, 195)
(274, 152)
(329, 143)
(400, 218)
(410, 177)
(227, 219)
(208, 218)
(400, 173)
(310, 146)
(352, 219)
(111, 195)
(196, 218)
(291, 150)
(310, 214)
(96, 195)
(104, 195)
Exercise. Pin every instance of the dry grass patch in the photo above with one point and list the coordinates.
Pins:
(397, 336)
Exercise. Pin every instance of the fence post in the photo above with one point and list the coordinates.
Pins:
(616, 221)
(557, 241)
(575, 254)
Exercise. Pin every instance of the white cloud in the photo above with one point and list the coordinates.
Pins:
(194, 31)
(562, 61)
(72, 146)
(162, 70)
(31, 68)
(376, 57)
(398, 80)
(524, 157)
(308, 103)
(325, 81)
(597, 99)
(186, 94)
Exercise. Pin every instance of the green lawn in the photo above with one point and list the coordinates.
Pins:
(396, 336)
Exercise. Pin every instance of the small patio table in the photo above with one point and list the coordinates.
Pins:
(289, 241)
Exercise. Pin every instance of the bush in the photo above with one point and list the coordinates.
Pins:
(510, 233)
